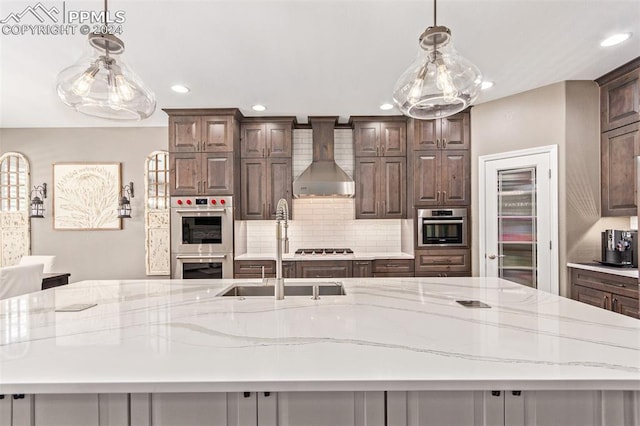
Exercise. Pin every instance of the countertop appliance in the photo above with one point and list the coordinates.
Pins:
(202, 237)
(620, 248)
(442, 227)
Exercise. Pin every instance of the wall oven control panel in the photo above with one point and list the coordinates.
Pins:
(201, 202)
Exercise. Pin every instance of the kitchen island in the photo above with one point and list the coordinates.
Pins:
(400, 350)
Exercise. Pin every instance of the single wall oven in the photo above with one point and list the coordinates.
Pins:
(202, 237)
(442, 227)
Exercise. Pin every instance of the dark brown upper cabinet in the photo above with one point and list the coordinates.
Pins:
(620, 99)
(266, 172)
(193, 173)
(266, 140)
(620, 139)
(443, 133)
(379, 137)
(618, 167)
(201, 133)
(380, 188)
(441, 178)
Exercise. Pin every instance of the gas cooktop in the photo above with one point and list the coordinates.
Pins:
(325, 251)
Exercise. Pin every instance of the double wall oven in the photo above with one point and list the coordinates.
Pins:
(202, 237)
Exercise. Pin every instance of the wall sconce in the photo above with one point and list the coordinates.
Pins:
(124, 205)
(36, 206)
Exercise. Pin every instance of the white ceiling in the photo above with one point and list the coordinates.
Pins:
(313, 57)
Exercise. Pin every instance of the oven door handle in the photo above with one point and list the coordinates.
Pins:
(198, 256)
(436, 221)
(201, 211)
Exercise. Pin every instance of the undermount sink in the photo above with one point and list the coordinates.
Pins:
(294, 289)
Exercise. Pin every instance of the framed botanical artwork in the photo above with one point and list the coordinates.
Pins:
(85, 196)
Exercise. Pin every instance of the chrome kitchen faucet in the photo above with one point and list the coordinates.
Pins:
(282, 215)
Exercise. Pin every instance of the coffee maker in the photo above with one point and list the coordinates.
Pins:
(620, 248)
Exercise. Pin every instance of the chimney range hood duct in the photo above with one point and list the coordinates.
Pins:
(323, 177)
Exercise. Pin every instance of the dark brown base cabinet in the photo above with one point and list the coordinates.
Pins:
(326, 268)
(606, 291)
(442, 262)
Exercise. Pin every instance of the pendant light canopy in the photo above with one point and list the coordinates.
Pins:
(101, 84)
(440, 82)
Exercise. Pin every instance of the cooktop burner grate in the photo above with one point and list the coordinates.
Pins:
(321, 251)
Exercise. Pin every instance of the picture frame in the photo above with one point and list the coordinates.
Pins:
(85, 196)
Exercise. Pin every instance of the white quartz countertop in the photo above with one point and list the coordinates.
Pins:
(354, 256)
(385, 334)
(596, 267)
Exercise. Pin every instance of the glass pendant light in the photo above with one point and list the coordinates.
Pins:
(440, 82)
(101, 84)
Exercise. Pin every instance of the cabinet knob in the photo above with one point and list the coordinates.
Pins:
(444, 142)
(444, 196)
(437, 196)
(437, 142)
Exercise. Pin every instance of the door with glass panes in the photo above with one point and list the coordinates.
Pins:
(520, 218)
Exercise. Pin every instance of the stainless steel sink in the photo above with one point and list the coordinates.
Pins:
(294, 289)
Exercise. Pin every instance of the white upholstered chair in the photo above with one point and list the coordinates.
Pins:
(20, 279)
(47, 261)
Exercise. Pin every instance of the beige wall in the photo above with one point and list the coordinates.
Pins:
(565, 114)
(89, 254)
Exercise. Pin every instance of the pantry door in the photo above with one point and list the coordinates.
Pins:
(519, 217)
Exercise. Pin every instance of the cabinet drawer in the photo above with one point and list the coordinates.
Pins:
(392, 266)
(443, 274)
(587, 295)
(624, 286)
(625, 306)
(443, 260)
(393, 275)
(254, 268)
(361, 268)
(323, 269)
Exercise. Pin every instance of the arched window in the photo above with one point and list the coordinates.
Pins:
(158, 180)
(14, 182)
(14, 208)
(158, 256)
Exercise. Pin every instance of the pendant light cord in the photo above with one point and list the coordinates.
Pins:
(105, 29)
(435, 2)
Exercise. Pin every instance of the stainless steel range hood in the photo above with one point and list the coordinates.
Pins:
(323, 177)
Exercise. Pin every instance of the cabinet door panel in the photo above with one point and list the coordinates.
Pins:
(193, 409)
(218, 174)
(393, 188)
(5, 410)
(185, 173)
(549, 408)
(455, 179)
(427, 135)
(392, 266)
(393, 138)
(217, 134)
(619, 148)
(280, 185)
(426, 179)
(253, 140)
(361, 268)
(184, 133)
(458, 408)
(455, 132)
(254, 188)
(331, 408)
(68, 410)
(366, 138)
(592, 297)
(367, 188)
(620, 101)
(278, 140)
(625, 305)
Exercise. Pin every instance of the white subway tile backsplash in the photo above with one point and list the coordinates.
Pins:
(324, 222)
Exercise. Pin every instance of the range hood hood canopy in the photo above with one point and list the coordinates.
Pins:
(323, 178)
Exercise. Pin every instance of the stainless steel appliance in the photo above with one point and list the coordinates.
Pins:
(442, 227)
(202, 237)
(620, 248)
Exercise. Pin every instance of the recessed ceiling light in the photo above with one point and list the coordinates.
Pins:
(386, 107)
(258, 107)
(179, 88)
(487, 85)
(615, 39)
